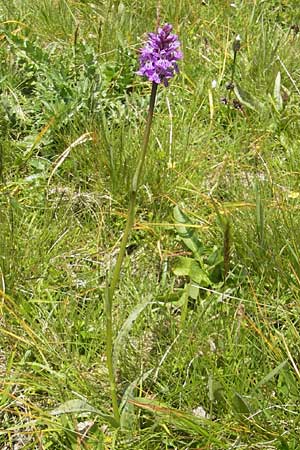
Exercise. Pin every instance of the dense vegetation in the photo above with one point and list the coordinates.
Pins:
(206, 313)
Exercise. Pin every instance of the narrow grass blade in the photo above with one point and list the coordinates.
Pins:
(260, 220)
(226, 247)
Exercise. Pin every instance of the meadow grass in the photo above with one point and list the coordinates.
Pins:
(205, 359)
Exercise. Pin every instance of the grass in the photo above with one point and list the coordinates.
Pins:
(187, 340)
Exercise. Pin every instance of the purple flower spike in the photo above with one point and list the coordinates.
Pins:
(158, 58)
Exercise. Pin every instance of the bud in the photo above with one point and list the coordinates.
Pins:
(237, 44)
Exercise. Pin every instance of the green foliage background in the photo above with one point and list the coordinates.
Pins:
(228, 159)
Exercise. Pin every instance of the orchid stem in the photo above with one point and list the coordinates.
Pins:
(115, 276)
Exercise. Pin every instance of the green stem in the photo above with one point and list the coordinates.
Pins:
(109, 356)
(114, 279)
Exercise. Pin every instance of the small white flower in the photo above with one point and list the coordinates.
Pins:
(214, 84)
(82, 427)
(200, 412)
(212, 346)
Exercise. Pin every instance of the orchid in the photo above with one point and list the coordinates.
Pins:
(158, 58)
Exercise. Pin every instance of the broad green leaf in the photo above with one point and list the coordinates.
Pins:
(193, 291)
(181, 298)
(80, 406)
(215, 258)
(188, 234)
(128, 419)
(126, 328)
(73, 406)
(170, 297)
(191, 268)
(240, 405)
(246, 99)
(216, 263)
(272, 374)
(287, 385)
(215, 389)
(284, 445)
(180, 419)
(184, 306)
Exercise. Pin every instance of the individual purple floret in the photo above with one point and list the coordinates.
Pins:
(158, 58)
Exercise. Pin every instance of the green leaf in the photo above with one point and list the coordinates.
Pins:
(184, 305)
(178, 418)
(170, 297)
(283, 444)
(80, 406)
(73, 406)
(287, 385)
(215, 390)
(246, 99)
(193, 291)
(272, 374)
(240, 405)
(128, 419)
(216, 263)
(191, 268)
(126, 328)
(188, 234)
